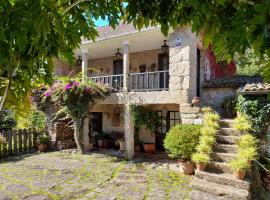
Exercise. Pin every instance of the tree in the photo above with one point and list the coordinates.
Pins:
(249, 63)
(34, 32)
(230, 26)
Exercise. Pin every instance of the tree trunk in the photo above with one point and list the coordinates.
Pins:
(78, 134)
(3, 100)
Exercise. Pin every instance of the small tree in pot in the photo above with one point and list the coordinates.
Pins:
(181, 142)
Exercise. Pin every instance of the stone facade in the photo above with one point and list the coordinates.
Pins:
(182, 84)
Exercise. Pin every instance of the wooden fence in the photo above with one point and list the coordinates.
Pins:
(18, 142)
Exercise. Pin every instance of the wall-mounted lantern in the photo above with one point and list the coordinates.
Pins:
(165, 47)
(118, 55)
(79, 61)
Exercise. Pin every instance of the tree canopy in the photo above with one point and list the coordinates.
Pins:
(33, 32)
(229, 26)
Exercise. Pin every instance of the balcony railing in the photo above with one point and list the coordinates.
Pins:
(148, 81)
(115, 81)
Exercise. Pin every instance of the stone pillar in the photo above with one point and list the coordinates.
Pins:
(86, 134)
(84, 63)
(128, 123)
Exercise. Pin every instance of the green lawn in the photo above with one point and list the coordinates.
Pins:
(95, 176)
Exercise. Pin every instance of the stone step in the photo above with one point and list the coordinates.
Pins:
(199, 195)
(223, 179)
(222, 157)
(227, 131)
(226, 191)
(219, 167)
(226, 122)
(227, 139)
(225, 148)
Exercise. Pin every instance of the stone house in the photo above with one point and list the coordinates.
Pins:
(146, 68)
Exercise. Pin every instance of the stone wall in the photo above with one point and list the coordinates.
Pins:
(214, 97)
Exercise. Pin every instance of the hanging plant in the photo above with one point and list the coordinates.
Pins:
(75, 99)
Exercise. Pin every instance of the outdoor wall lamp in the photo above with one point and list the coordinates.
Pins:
(165, 47)
(118, 55)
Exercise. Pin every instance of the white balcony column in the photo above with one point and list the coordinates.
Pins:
(125, 65)
(84, 63)
(128, 123)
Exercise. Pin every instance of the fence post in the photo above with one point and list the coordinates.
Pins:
(10, 134)
(4, 145)
(29, 139)
(34, 138)
(20, 140)
(25, 137)
(15, 141)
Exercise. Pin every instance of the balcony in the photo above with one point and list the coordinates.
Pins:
(138, 82)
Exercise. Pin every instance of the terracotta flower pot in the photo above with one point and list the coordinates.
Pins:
(89, 147)
(42, 147)
(106, 143)
(201, 166)
(122, 145)
(149, 147)
(186, 167)
(240, 174)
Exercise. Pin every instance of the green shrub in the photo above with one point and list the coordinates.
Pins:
(204, 148)
(181, 141)
(238, 164)
(246, 141)
(229, 106)
(248, 153)
(35, 120)
(214, 117)
(42, 139)
(207, 109)
(208, 130)
(207, 140)
(200, 158)
(7, 120)
(241, 124)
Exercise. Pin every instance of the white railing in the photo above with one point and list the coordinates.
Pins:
(149, 81)
(115, 81)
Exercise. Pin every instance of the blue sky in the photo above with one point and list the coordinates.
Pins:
(101, 22)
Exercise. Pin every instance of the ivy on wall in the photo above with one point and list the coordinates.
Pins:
(144, 117)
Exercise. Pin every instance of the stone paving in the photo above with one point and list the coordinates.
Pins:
(67, 175)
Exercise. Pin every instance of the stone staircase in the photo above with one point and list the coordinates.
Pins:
(218, 181)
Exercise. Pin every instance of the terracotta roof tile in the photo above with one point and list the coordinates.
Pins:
(256, 87)
(234, 81)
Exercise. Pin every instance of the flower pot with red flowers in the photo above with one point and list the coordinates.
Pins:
(42, 142)
(181, 142)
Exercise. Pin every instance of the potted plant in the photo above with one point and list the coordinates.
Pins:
(181, 142)
(149, 147)
(204, 148)
(42, 142)
(239, 166)
(142, 68)
(249, 154)
(201, 160)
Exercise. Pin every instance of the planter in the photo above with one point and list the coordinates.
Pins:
(122, 145)
(240, 174)
(186, 167)
(42, 147)
(106, 143)
(89, 147)
(149, 147)
(201, 166)
(142, 68)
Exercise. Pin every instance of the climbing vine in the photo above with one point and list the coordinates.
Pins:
(141, 116)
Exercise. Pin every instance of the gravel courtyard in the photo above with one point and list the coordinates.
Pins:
(64, 175)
